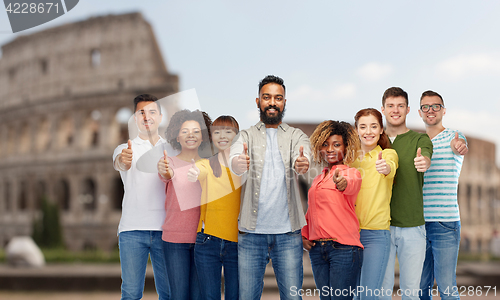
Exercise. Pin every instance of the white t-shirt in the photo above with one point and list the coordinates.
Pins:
(143, 206)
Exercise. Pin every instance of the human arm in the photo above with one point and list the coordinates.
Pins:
(123, 161)
(422, 160)
(387, 162)
(164, 168)
(301, 154)
(459, 145)
(239, 155)
(349, 180)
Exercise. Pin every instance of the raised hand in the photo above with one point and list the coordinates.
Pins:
(458, 146)
(163, 167)
(301, 163)
(339, 180)
(242, 161)
(193, 172)
(126, 156)
(381, 165)
(422, 163)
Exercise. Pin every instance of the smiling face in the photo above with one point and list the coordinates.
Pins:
(333, 150)
(190, 136)
(222, 137)
(432, 118)
(369, 131)
(271, 103)
(147, 117)
(395, 110)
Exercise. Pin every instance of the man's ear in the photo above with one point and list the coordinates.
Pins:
(257, 101)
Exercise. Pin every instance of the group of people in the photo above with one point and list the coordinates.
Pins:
(381, 194)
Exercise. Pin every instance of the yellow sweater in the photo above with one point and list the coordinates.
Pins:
(374, 199)
(220, 202)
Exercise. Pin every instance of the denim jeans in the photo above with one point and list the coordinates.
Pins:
(377, 244)
(181, 270)
(210, 255)
(135, 246)
(254, 252)
(336, 268)
(409, 245)
(443, 241)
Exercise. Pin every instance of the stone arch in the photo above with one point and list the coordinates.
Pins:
(40, 193)
(7, 194)
(91, 130)
(88, 195)
(119, 125)
(62, 193)
(65, 132)
(43, 135)
(117, 193)
(24, 139)
(23, 197)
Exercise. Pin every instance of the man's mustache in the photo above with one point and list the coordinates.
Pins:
(272, 106)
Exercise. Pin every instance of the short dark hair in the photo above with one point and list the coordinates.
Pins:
(146, 98)
(271, 79)
(174, 126)
(394, 92)
(431, 94)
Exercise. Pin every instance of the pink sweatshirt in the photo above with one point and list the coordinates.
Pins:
(182, 204)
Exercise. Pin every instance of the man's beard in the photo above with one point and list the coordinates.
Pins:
(271, 120)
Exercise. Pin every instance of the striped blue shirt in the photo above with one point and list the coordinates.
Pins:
(441, 180)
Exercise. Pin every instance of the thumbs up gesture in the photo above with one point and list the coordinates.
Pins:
(301, 163)
(163, 167)
(422, 163)
(241, 163)
(125, 159)
(381, 165)
(458, 145)
(193, 172)
(339, 180)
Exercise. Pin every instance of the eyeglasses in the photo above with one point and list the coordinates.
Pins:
(435, 107)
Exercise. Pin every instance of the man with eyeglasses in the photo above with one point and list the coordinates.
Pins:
(407, 212)
(441, 213)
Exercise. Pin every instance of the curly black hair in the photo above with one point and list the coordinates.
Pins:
(328, 128)
(174, 126)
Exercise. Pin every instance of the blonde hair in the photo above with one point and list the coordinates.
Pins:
(328, 128)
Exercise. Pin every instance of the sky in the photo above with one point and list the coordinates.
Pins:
(336, 57)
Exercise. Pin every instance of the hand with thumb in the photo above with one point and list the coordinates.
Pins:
(381, 165)
(193, 172)
(339, 180)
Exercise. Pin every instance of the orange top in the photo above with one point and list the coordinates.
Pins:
(331, 213)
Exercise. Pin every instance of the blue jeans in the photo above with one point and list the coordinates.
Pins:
(443, 241)
(210, 255)
(182, 276)
(377, 244)
(254, 252)
(336, 268)
(409, 245)
(135, 246)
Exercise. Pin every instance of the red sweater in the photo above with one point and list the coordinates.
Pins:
(331, 213)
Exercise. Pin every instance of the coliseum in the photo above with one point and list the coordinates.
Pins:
(65, 97)
(62, 92)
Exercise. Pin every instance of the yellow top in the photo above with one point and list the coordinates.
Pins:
(220, 202)
(374, 199)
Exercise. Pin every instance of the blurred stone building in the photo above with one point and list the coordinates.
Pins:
(478, 195)
(65, 98)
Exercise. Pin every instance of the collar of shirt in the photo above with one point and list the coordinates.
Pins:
(374, 152)
(140, 141)
(283, 126)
